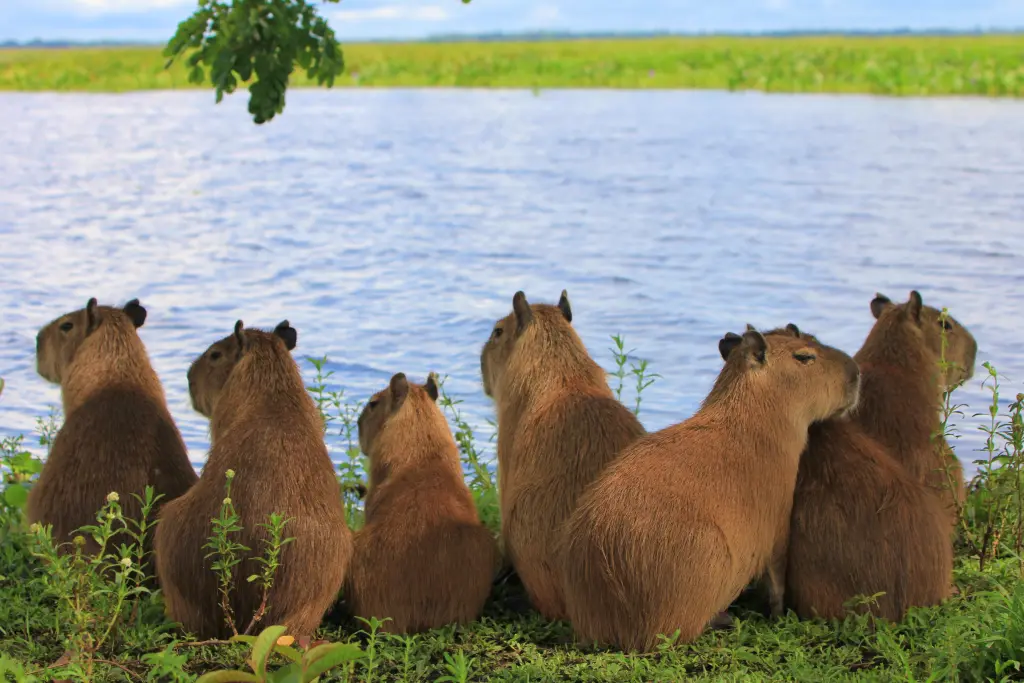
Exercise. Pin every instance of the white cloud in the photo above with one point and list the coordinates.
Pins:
(392, 12)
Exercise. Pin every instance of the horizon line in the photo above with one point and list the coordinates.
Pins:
(500, 36)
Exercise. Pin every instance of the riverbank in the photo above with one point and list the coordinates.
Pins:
(988, 65)
(976, 635)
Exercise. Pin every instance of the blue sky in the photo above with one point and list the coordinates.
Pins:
(155, 20)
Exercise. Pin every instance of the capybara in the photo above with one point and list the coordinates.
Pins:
(118, 435)
(559, 425)
(861, 525)
(903, 386)
(686, 517)
(265, 427)
(423, 559)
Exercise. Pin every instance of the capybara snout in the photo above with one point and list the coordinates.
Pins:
(59, 340)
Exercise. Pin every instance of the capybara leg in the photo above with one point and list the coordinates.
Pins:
(775, 578)
(544, 593)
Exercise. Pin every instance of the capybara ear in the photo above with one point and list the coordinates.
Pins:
(563, 305)
(285, 331)
(793, 330)
(879, 304)
(92, 316)
(399, 390)
(727, 343)
(751, 328)
(521, 307)
(914, 304)
(431, 386)
(240, 338)
(136, 313)
(755, 345)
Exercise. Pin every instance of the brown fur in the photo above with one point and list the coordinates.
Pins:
(266, 427)
(679, 524)
(423, 559)
(903, 387)
(559, 425)
(118, 435)
(861, 525)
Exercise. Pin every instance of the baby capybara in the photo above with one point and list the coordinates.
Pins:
(423, 560)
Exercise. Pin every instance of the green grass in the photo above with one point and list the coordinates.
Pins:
(117, 627)
(916, 65)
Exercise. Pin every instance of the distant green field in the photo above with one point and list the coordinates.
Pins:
(956, 65)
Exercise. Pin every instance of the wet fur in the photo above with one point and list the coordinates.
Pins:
(423, 559)
(559, 425)
(686, 517)
(118, 434)
(902, 389)
(264, 426)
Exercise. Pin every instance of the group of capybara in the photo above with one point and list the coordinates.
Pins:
(812, 474)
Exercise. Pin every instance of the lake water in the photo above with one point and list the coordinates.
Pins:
(392, 227)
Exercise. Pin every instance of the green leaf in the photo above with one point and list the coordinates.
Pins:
(288, 651)
(291, 673)
(262, 647)
(327, 656)
(228, 677)
(16, 496)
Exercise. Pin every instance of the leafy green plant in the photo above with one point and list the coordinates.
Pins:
(459, 667)
(225, 552)
(638, 369)
(334, 409)
(991, 514)
(302, 667)
(167, 666)
(98, 594)
(226, 556)
(13, 670)
(258, 40)
(19, 467)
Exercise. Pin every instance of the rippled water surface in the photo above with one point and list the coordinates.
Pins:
(392, 227)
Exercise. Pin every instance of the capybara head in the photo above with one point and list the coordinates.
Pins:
(823, 377)
(210, 372)
(387, 403)
(524, 324)
(928, 325)
(60, 339)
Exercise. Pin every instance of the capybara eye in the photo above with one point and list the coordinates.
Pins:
(946, 325)
(804, 357)
(373, 403)
(215, 355)
(67, 327)
(497, 332)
